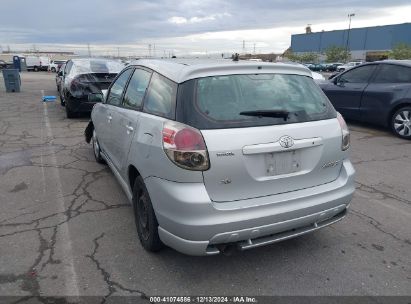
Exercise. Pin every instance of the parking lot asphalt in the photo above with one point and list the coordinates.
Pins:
(66, 227)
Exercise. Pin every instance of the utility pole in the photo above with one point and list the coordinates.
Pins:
(349, 28)
(118, 52)
(254, 48)
(243, 46)
(149, 50)
(154, 50)
(88, 48)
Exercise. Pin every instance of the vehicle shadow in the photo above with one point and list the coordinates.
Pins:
(374, 130)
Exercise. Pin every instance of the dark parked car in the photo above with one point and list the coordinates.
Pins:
(3, 64)
(377, 92)
(317, 67)
(84, 78)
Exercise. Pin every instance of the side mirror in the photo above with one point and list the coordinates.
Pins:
(95, 97)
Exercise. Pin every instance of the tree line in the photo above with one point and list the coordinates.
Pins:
(340, 54)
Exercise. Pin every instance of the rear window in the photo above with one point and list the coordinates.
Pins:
(390, 73)
(216, 102)
(96, 66)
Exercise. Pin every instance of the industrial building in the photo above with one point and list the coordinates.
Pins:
(365, 43)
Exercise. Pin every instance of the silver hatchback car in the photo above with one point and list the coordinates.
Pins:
(216, 155)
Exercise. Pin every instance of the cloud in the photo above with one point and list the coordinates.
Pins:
(186, 25)
(177, 20)
(196, 19)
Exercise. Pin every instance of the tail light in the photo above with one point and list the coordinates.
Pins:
(185, 146)
(345, 144)
(75, 85)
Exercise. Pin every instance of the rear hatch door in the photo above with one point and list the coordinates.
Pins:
(95, 82)
(253, 162)
(265, 133)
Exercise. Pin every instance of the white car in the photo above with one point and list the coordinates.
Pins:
(37, 63)
(348, 65)
(317, 76)
(55, 65)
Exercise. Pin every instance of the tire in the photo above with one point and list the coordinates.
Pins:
(69, 113)
(62, 102)
(53, 69)
(35, 69)
(145, 218)
(96, 149)
(401, 122)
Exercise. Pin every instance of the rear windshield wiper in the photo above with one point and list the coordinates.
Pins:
(267, 113)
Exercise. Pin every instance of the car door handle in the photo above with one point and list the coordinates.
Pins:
(129, 129)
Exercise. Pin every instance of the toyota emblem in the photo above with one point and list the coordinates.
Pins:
(286, 141)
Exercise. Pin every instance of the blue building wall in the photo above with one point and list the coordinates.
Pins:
(366, 38)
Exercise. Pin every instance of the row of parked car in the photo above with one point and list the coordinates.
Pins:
(36, 63)
(216, 155)
(377, 92)
(332, 67)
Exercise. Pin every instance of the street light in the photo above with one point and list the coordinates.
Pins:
(349, 28)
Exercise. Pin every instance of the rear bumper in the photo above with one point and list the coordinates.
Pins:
(192, 224)
(79, 104)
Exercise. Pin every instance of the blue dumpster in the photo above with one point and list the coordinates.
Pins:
(16, 63)
(12, 80)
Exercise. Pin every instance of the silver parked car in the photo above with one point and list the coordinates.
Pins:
(216, 155)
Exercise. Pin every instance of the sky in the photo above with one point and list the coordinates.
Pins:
(182, 28)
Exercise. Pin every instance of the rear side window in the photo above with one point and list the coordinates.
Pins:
(358, 75)
(389, 73)
(220, 101)
(136, 89)
(161, 95)
(68, 67)
(117, 88)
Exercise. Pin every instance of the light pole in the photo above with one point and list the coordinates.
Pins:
(349, 28)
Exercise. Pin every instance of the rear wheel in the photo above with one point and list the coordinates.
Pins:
(146, 221)
(53, 69)
(36, 69)
(96, 149)
(401, 123)
(62, 102)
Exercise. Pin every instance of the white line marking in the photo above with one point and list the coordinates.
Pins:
(70, 275)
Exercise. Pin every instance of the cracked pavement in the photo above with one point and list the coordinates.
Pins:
(67, 229)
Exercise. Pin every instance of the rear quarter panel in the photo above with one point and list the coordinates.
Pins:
(147, 155)
(380, 98)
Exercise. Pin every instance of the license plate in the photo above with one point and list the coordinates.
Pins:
(282, 162)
